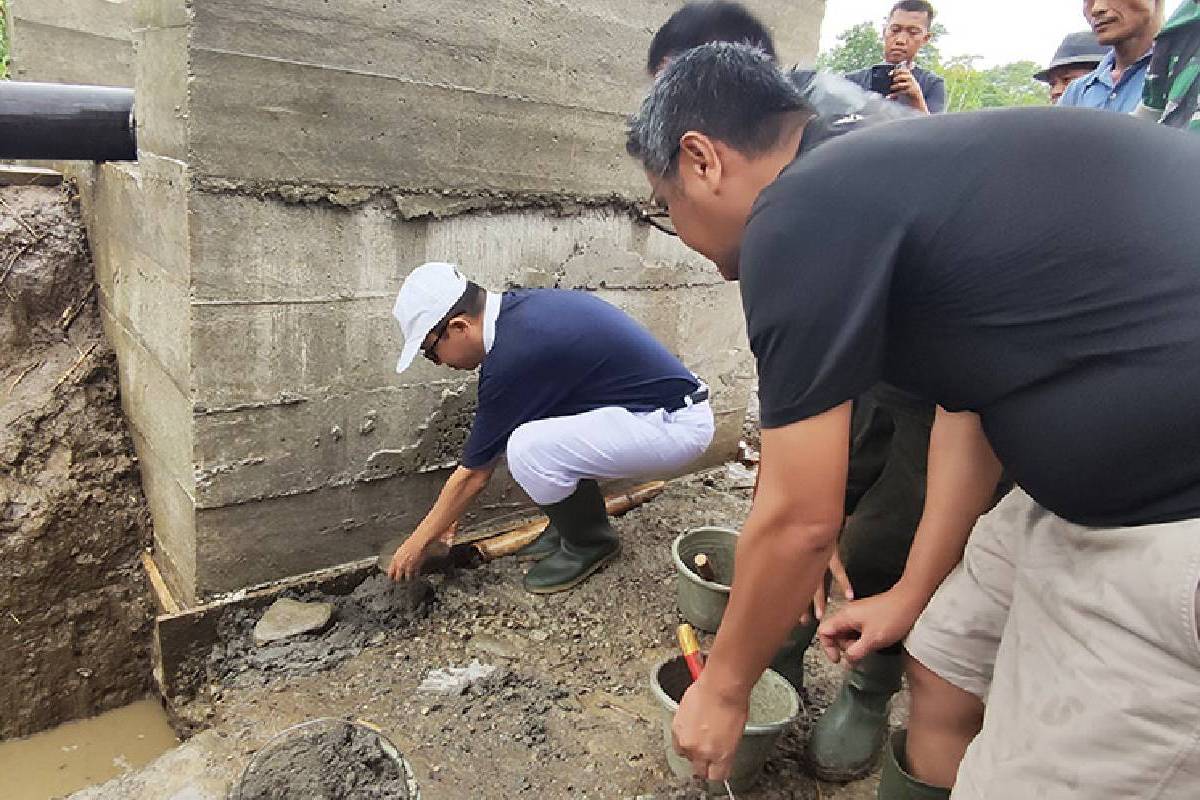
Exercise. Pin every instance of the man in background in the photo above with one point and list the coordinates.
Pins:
(1129, 28)
(908, 29)
(1173, 77)
(1079, 54)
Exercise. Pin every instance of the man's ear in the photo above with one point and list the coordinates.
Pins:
(460, 323)
(698, 156)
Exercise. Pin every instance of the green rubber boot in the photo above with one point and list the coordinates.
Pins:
(546, 544)
(846, 742)
(894, 781)
(588, 542)
(789, 661)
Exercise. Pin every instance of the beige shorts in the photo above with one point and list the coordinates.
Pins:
(1083, 644)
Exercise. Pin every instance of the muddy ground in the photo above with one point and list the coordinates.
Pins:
(568, 714)
(74, 611)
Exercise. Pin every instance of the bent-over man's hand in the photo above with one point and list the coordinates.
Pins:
(707, 729)
(838, 580)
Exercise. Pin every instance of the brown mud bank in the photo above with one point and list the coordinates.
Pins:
(74, 611)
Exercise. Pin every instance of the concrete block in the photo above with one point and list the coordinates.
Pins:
(54, 54)
(298, 252)
(297, 348)
(157, 408)
(173, 510)
(161, 86)
(138, 236)
(112, 19)
(258, 119)
(161, 13)
(519, 48)
(251, 454)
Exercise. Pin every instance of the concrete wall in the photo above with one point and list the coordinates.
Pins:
(296, 159)
(72, 41)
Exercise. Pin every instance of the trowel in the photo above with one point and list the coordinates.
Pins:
(689, 645)
(439, 557)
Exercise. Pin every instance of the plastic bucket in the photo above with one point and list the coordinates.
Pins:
(774, 705)
(702, 602)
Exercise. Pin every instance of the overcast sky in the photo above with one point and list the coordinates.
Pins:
(1012, 31)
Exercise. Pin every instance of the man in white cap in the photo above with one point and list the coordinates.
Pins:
(571, 390)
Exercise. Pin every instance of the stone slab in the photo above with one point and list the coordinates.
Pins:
(205, 767)
(287, 618)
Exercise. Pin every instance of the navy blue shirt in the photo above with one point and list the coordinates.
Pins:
(559, 353)
(932, 86)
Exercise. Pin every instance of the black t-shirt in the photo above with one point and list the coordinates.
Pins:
(1040, 267)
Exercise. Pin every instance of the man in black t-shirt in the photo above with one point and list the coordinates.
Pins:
(889, 428)
(990, 272)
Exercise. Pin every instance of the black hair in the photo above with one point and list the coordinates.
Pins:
(731, 92)
(919, 6)
(700, 23)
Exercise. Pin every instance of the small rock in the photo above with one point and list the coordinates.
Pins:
(287, 618)
(739, 476)
(456, 680)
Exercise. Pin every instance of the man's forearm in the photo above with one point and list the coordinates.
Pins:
(961, 482)
(461, 488)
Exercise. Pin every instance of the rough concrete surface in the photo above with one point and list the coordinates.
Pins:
(568, 714)
(74, 609)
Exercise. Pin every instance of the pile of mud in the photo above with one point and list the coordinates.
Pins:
(375, 609)
(326, 761)
(74, 631)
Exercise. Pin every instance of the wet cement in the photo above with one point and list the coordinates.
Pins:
(377, 608)
(79, 754)
(326, 762)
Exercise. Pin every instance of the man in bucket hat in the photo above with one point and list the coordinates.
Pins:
(1079, 54)
(571, 391)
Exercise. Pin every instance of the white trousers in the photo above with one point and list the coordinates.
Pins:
(548, 457)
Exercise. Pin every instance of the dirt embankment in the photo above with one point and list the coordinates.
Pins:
(74, 610)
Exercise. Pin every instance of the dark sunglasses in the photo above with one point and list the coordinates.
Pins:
(440, 329)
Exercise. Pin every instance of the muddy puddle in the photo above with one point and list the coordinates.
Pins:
(82, 753)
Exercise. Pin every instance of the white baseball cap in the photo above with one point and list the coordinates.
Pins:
(427, 295)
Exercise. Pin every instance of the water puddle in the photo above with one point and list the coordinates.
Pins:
(85, 752)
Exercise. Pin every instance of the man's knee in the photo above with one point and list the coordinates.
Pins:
(936, 701)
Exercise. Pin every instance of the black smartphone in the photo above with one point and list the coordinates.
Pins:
(881, 79)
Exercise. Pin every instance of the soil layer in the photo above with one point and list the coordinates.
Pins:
(74, 609)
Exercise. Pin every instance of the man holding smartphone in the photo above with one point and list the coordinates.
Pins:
(908, 29)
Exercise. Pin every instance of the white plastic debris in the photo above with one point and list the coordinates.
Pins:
(456, 680)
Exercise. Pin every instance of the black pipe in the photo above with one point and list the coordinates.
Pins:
(63, 122)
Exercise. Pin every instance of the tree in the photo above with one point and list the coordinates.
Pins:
(858, 47)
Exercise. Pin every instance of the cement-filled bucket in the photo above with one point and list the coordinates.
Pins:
(702, 602)
(273, 772)
(774, 705)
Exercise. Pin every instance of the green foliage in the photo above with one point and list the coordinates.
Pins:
(858, 47)
(3, 39)
(968, 87)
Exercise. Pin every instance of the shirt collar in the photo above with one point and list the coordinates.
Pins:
(1103, 72)
(491, 312)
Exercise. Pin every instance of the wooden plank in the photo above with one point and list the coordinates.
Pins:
(166, 601)
(14, 175)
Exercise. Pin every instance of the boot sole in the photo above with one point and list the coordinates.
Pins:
(840, 775)
(565, 587)
(531, 557)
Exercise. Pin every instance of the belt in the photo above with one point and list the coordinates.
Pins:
(695, 398)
